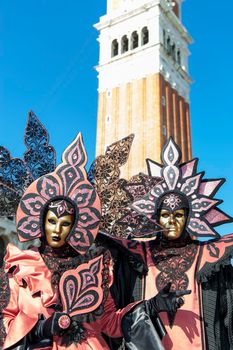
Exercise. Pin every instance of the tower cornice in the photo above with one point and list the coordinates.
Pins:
(175, 21)
(117, 17)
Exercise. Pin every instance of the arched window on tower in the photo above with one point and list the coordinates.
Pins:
(145, 36)
(164, 38)
(124, 44)
(168, 46)
(179, 57)
(134, 40)
(173, 52)
(114, 48)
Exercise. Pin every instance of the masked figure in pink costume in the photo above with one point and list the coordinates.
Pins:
(59, 293)
(183, 204)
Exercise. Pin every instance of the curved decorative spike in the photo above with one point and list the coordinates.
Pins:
(40, 157)
(35, 134)
(171, 153)
(171, 156)
(203, 204)
(171, 175)
(154, 169)
(119, 150)
(75, 154)
(105, 170)
(217, 217)
(189, 169)
(80, 289)
(17, 174)
(200, 228)
(191, 184)
(210, 187)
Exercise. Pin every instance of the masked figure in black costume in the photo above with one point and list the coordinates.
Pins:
(182, 203)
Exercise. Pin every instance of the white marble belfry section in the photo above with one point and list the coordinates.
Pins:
(127, 16)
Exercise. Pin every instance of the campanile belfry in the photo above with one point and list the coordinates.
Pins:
(143, 78)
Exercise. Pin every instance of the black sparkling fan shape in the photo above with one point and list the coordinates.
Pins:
(17, 174)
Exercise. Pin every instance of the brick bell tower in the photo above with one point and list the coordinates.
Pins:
(143, 79)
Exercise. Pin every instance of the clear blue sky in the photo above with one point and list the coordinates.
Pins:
(48, 51)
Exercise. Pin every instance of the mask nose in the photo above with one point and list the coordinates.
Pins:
(171, 219)
(57, 228)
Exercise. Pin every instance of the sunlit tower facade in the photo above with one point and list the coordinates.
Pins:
(143, 79)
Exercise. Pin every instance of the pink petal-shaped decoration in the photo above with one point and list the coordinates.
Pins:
(171, 153)
(32, 204)
(75, 154)
(191, 184)
(88, 217)
(216, 216)
(48, 187)
(86, 301)
(70, 177)
(157, 191)
(29, 228)
(81, 289)
(89, 277)
(144, 206)
(208, 187)
(200, 228)
(188, 169)
(213, 250)
(171, 176)
(203, 204)
(81, 239)
(84, 195)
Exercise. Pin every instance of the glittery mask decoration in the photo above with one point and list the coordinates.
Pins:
(182, 181)
(173, 201)
(61, 208)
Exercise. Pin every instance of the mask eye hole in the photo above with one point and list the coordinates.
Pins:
(66, 224)
(179, 215)
(52, 221)
(165, 215)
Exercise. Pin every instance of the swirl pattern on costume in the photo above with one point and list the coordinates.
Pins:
(173, 263)
(84, 290)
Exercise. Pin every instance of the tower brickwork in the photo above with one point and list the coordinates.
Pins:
(143, 79)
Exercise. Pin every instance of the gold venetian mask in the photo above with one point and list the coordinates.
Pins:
(57, 228)
(173, 222)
